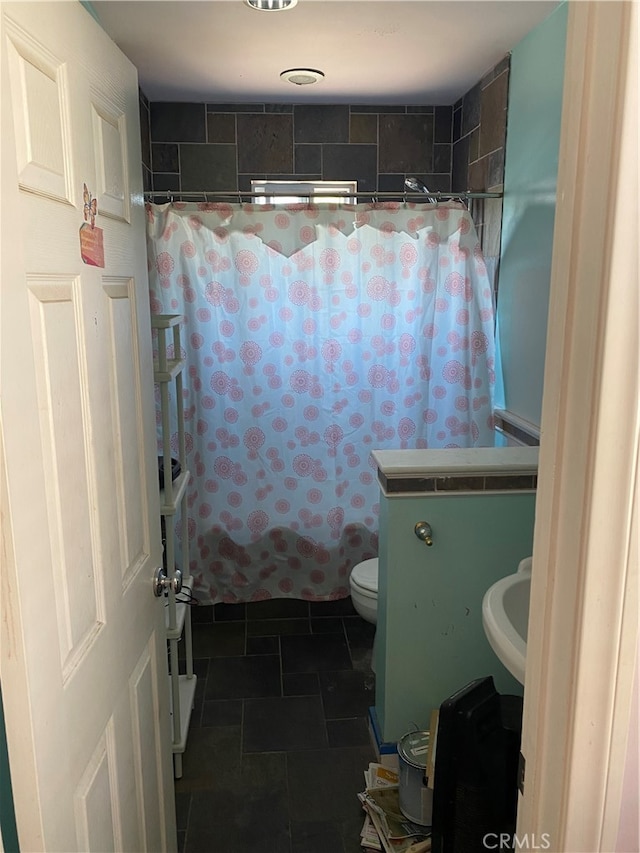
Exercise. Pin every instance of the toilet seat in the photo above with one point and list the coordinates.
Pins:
(363, 583)
(365, 577)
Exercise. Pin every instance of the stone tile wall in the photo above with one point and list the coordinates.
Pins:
(479, 139)
(145, 134)
(479, 130)
(218, 147)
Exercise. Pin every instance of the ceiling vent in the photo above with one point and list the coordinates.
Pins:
(302, 76)
(271, 5)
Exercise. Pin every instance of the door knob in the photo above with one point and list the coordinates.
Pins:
(423, 531)
(161, 583)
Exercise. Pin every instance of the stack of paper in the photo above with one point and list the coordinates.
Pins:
(385, 827)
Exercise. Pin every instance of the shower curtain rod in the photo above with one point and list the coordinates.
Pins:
(172, 195)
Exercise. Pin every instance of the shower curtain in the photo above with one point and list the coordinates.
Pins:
(313, 334)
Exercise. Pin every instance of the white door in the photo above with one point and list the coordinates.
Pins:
(83, 657)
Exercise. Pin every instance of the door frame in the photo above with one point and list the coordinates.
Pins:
(583, 631)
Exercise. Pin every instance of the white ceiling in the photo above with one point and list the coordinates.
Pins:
(371, 51)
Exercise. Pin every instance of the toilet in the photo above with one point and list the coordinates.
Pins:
(363, 581)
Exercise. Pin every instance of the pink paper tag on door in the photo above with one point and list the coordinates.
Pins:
(92, 245)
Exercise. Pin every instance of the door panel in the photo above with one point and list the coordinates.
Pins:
(83, 651)
(40, 104)
(63, 425)
(149, 782)
(112, 178)
(128, 437)
(96, 799)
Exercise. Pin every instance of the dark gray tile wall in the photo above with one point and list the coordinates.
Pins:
(145, 138)
(195, 148)
(479, 125)
(479, 131)
(178, 122)
(479, 483)
(402, 141)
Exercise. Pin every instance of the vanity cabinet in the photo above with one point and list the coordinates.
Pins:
(168, 368)
(480, 505)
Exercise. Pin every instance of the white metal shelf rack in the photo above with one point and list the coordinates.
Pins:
(173, 499)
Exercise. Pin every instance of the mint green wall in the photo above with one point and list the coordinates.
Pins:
(88, 5)
(531, 168)
(430, 639)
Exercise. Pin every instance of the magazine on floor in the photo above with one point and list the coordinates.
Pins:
(385, 828)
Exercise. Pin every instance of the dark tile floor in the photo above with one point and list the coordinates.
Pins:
(278, 740)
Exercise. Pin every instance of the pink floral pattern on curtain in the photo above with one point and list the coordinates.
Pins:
(314, 334)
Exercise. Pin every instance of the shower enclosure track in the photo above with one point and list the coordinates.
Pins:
(176, 195)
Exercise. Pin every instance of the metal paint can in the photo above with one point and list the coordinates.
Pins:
(415, 798)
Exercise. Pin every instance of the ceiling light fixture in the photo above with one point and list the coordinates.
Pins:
(271, 5)
(302, 76)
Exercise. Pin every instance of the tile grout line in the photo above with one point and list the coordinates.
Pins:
(286, 781)
(242, 706)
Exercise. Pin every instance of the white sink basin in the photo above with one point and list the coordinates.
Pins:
(505, 617)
